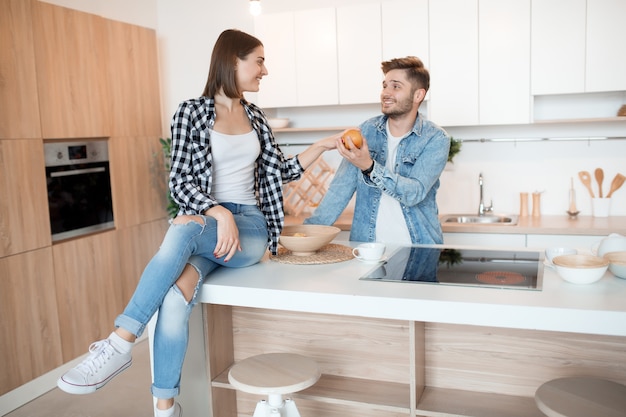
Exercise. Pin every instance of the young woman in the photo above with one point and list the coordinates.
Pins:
(226, 176)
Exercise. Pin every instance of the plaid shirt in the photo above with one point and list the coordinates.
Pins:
(191, 176)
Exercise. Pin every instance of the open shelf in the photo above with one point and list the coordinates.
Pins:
(331, 389)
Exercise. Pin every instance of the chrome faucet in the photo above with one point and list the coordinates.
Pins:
(481, 206)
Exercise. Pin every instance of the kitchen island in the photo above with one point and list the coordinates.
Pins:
(403, 349)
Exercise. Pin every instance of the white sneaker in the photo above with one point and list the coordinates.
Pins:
(103, 363)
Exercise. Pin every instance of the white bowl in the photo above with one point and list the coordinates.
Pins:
(613, 243)
(580, 269)
(306, 239)
(552, 252)
(617, 263)
(278, 123)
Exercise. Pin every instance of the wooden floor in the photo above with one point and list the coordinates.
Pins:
(127, 395)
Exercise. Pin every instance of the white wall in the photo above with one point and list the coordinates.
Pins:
(187, 30)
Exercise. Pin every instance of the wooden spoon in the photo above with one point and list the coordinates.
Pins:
(616, 183)
(585, 177)
(599, 173)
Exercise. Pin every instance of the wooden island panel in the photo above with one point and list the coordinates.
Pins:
(391, 368)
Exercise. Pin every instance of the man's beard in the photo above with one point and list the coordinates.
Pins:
(400, 109)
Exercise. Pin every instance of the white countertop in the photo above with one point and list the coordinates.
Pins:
(598, 308)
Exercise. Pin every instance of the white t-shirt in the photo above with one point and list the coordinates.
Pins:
(390, 223)
(233, 167)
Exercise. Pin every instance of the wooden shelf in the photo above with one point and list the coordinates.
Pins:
(332, 389)
(394, 397)
(438, 402)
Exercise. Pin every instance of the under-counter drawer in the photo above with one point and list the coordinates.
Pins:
(485, 239)
(583, 242)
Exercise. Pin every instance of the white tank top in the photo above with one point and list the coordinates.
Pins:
(390, 223)
(233, 167)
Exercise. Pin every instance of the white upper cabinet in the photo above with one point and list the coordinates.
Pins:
(558, 46)
(279, 87)
(453, 62)
(359, 47)
(504, 54)
(316, 57)
(405, 30)
(606, 52)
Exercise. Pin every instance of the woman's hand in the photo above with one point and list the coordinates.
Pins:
(227, 233)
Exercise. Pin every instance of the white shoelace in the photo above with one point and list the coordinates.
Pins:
(100, 352)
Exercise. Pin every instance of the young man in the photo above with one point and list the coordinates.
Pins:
(395, 173)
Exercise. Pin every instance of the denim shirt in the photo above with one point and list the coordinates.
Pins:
(420, 159)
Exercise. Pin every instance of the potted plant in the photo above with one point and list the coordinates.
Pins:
(166, 146)
(455, 147)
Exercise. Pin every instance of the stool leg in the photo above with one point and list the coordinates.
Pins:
(276, 409)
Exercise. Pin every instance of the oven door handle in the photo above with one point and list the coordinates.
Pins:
(76, 172)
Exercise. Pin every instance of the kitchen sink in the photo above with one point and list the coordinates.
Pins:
(469, 219)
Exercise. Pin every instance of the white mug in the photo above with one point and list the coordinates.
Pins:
(369, 252)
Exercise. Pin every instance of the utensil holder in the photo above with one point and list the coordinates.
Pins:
(523, 204)
(601, 207)
(536, 204)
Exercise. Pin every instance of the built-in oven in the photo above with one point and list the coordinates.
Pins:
(79, 187)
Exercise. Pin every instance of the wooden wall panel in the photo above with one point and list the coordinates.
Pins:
(72, 72)
(342, 345)
(516, 362)
(89, 287)
(31, 343)
(133, 80)
(19, 117)
(24, 219)
(138, 180)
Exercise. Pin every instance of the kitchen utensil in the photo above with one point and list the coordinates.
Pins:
(585, 178)
(306, 239)
(617, 264)
(617, 182)
(599, 173)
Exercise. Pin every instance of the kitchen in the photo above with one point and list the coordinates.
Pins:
(509, 166)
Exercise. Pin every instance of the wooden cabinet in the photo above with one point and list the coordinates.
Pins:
(24, 220)
(71, 58)
(454, 62)
(19, 117)
(29, 344)
(133, 80)
(360, 76)
(138, 180)
(89, 288)
(503, 56)
(137, 245)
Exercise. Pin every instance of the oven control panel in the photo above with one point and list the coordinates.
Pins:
(70, 153)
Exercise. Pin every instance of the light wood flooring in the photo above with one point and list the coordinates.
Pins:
(126, 395)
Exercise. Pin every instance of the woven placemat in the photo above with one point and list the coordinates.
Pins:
(328, 254)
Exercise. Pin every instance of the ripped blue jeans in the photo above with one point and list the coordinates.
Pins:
(191, 243)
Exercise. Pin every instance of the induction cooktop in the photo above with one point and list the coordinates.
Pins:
(507, 269)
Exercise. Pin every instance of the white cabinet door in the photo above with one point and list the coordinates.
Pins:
(504, 53)
(278, 88)
(558, 46)
(405, 30)
(606, 52)
(316, 57)
(453, 62)
(359, 47)
(485, 239)
(585, 244)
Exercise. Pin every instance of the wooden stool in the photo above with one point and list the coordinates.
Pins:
(274, 374)
(581, 397)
